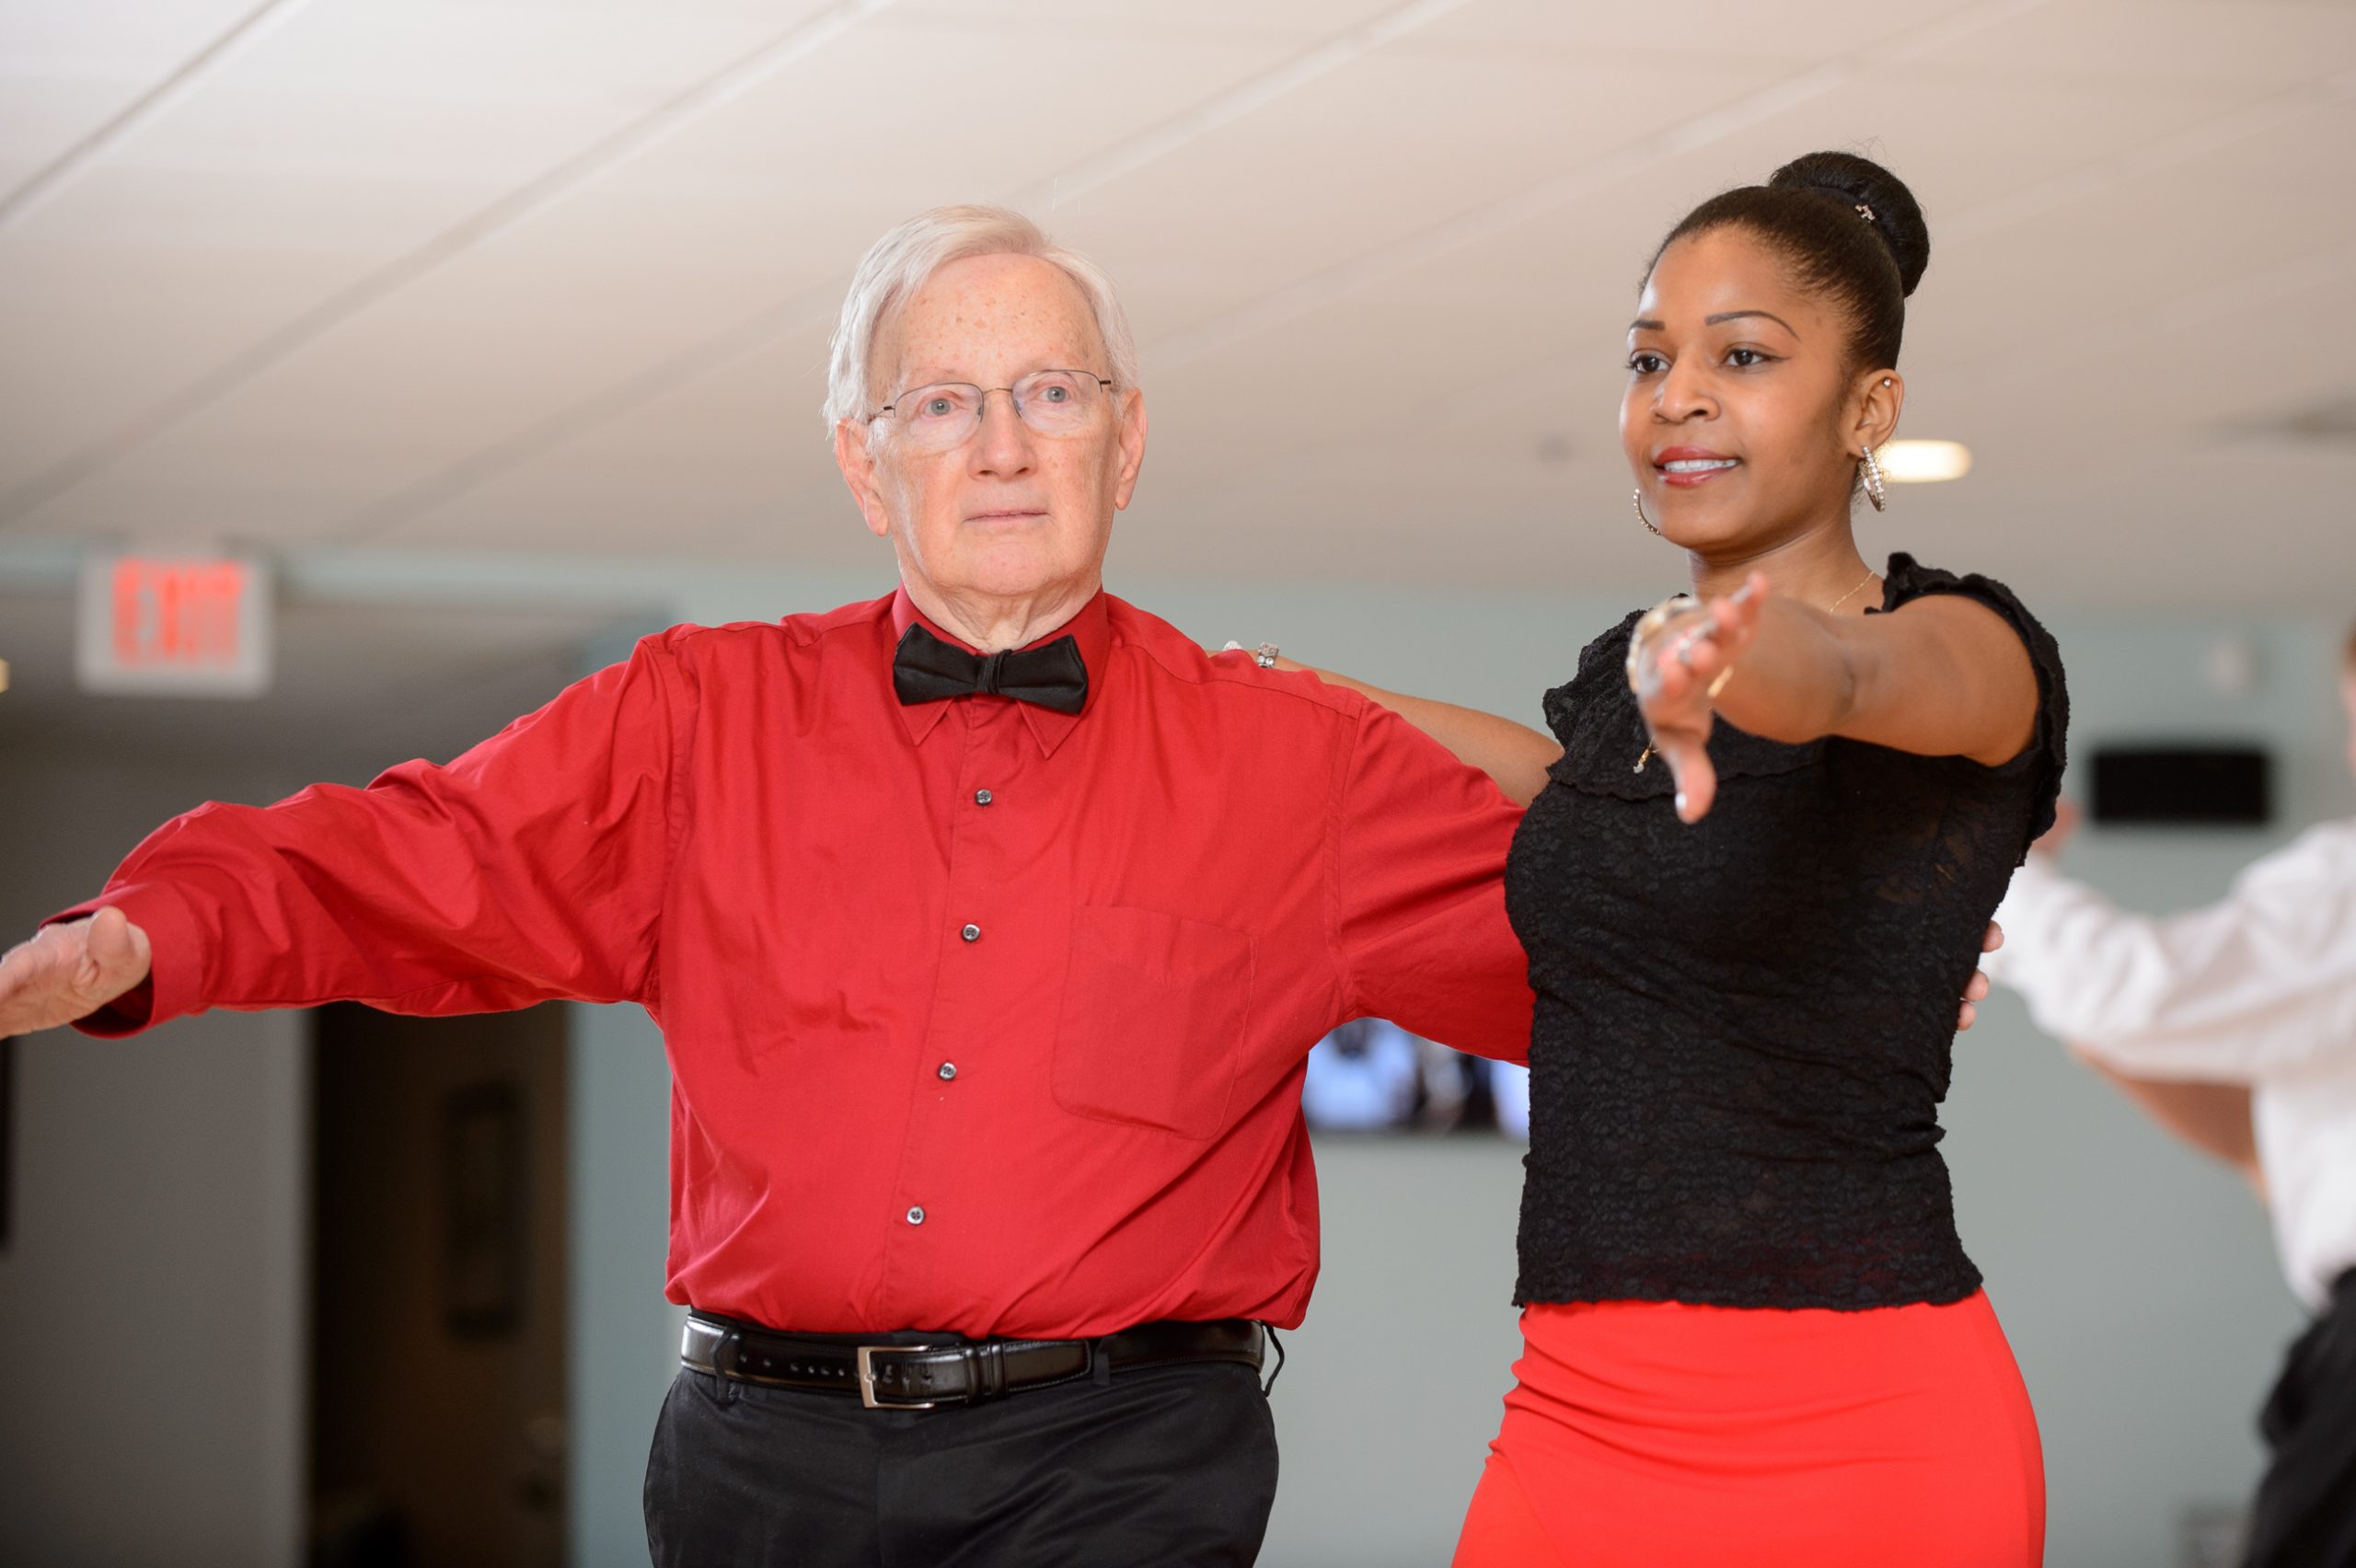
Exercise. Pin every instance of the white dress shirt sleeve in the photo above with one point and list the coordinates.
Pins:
(2262, 983)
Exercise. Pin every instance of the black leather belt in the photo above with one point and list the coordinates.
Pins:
(950, 1370)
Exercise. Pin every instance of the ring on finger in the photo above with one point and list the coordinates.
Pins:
(1652, 621)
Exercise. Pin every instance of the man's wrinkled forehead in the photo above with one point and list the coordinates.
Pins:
(989, 315)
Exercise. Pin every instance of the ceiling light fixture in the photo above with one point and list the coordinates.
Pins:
(1924, 462)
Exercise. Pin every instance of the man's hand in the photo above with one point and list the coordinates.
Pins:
(70, 971)
(1975, 991)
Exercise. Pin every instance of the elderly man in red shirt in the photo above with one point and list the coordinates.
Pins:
(987, 925)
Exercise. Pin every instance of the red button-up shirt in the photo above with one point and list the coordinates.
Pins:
(981, 1017)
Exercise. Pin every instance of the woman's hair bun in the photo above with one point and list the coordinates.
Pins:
(1861, 182)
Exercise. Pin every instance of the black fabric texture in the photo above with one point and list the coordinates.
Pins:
(1744, 1026)
(1166, 1466)
(2306, 1512)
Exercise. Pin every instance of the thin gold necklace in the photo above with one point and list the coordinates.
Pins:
(1647, 754)
(1852, 593)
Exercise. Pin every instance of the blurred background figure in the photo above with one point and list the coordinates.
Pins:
(1365, 1077)
(1370, 1076)
(2233, 1026)
(1509, 1087)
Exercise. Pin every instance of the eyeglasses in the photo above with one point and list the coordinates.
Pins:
(947, 413)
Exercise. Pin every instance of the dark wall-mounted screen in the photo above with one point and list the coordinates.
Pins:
(2189, 785)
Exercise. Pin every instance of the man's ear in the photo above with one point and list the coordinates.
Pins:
(857, 464)
(1132, 447)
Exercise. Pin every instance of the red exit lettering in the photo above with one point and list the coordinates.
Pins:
(184, 613)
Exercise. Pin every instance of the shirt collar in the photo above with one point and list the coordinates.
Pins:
(1092, 629)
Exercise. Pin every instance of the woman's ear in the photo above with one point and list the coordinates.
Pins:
(1880, 396)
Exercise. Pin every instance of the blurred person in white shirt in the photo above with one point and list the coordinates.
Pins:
(1370, 1076)
(1362, 1078)
(2233, 1026)
(1509, 1082)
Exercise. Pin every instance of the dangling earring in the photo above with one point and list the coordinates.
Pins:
(1638, 496)
(1873, 491)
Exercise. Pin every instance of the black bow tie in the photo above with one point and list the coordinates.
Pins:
(925, 669)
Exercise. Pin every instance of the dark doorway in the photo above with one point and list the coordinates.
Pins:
(437, 1297)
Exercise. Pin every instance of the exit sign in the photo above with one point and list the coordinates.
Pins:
(170, 625)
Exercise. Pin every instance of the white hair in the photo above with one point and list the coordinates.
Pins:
(904, 259)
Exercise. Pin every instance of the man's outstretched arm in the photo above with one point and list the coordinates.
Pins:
(2260, 981)
(527, 869)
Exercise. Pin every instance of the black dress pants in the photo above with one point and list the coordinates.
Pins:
(1169, 1466)
(2305, 1512)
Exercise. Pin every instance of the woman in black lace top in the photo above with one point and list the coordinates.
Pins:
(1754, 875)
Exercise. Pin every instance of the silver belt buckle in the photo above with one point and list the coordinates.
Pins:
(867, 1396)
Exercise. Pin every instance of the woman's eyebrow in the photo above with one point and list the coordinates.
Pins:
(1646, 324)
(1738, 315)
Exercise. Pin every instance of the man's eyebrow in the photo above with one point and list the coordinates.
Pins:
(1738, 315)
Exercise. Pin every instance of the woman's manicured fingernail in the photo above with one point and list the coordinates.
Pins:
(1680, 803)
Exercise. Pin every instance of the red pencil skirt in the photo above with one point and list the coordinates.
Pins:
(1664, 1435)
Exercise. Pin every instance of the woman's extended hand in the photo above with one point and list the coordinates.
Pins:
(1677, 665)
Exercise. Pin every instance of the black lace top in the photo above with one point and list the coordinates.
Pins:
(1743, 1026)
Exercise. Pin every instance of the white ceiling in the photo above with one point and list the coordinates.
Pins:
(459, 275)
